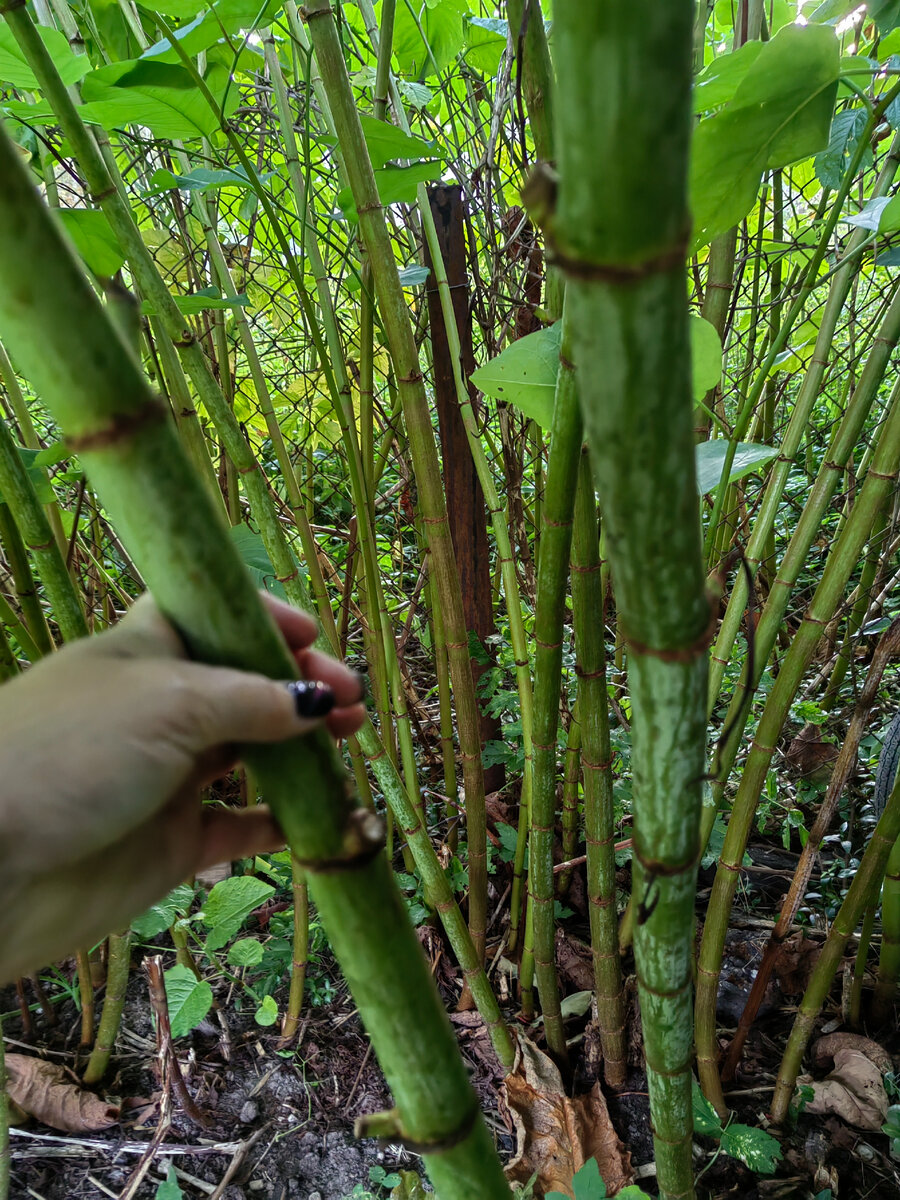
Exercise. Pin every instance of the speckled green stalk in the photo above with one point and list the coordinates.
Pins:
(622, 251)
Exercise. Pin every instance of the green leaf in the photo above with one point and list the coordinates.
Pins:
(160, 95)
(576, 1004)
(780, 112)
(706, 1119)
(885, 14)
(413, 276)
(169, 1189)
(189, 999)
(588, 1184)
(14, 69)
(442, 26)
(846, 130)
(387, 142)
(718, 83)
(38, 479)
(202, 179)
(396, 185)
(227, 19)
(94, 239)
(706, 355)
(229, 904)
(245, 952)
(710, 458)
(754, 1147)
(485, 43)
(632, 1192)
(208, 298)
(524, 374)
(252, 550)
(267, 1013)
(409, 1188)
(161, 916)
(871, 214)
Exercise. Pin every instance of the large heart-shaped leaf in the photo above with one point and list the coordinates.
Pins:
(160, 95)
(780, 112)
(524, 375)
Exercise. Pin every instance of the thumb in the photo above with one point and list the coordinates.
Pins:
(225, 705)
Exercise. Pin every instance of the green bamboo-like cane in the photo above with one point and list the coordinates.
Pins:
(716, 304)
(859, 965)
(299, 951)
(571, 782)
(537, 71)
(19, 494)
(795, 557)
(54, 325)
(553, 570)
(599, 815)
(862, 891)
(117, 969)
(399, 334)
(12, 625)
(28, 434)
(841, 562)
(857, 613)
(34, 620)
(622, 250)
(797, 426)
(889, 957)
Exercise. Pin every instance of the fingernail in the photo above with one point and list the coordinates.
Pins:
(311, 698)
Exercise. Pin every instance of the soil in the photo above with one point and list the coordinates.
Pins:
(280, 1121)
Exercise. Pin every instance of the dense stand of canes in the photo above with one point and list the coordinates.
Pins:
(54, 324)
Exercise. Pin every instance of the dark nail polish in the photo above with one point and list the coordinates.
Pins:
(312, 699)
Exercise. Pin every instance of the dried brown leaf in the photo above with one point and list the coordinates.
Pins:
(44, 1091)
(854, 1090)
(556, 1135)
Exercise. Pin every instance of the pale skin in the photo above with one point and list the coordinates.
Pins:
(108, 744)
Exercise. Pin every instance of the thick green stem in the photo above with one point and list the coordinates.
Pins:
(117, 969)
(622, 250)
(599, 815)
(553, 570)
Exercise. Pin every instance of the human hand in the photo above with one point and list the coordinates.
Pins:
(104, 747)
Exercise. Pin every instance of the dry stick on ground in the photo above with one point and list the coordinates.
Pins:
(168, 1060)
(888, 646)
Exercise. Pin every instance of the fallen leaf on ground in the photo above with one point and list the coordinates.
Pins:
(44, 1091)
(854, 1090)
(556, 1135)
